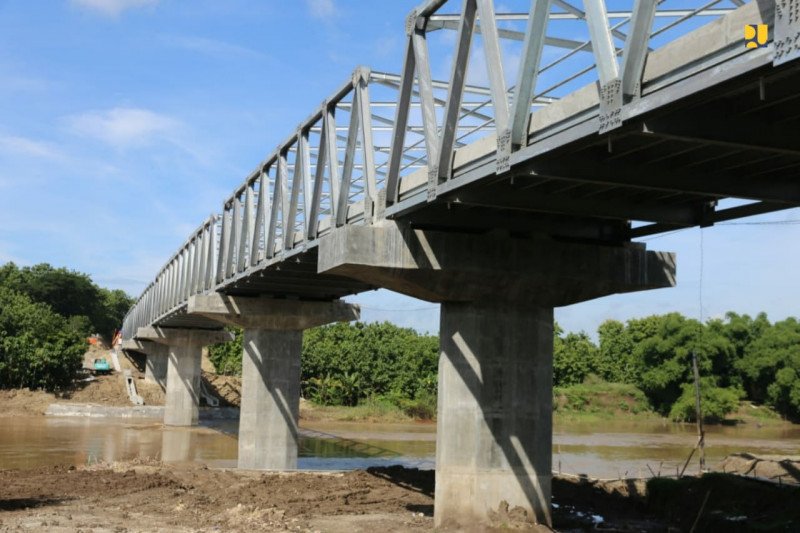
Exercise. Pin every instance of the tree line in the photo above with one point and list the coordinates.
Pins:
(739, 358)
(46, 313)
(345, 364)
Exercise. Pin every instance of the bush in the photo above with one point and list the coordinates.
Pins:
(38, 348)
(597, 396)
(716, 402)
(227, 356)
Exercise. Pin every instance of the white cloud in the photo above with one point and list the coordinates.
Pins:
(23, 146)
(113, 8)
(321, 9)
(124, 126)
(211, 47)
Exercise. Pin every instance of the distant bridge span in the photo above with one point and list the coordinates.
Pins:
(500, 201)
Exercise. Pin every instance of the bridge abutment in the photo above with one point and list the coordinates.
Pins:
(494, 423)
(185, 348)
(270, 396)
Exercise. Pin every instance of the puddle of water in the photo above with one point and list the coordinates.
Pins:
(614, 449)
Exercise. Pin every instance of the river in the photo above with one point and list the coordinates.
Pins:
(605, 450)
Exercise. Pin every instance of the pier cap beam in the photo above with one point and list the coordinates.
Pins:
(441, 266)
(170, 336)
(270, 313)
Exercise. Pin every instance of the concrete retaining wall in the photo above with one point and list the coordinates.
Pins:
(141, 411)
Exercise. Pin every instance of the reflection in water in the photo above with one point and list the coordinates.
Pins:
(176, 444)
(615, 449)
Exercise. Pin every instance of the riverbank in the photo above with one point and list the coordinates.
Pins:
(147, 496)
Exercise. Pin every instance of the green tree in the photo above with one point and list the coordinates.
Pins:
(716, 402)
(665, 357)
(615, 359)
(371, 360)
(71, 294)
(343, 363)
(227, 356)
(574, 358)
(771, 365)
(38, 348)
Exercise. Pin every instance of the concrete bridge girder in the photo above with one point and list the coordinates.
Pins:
(494, 423)
(270, 396)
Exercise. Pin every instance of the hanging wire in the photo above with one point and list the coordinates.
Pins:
(700, 284)
(399, 310)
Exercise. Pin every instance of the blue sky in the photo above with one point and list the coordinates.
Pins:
(124, 124)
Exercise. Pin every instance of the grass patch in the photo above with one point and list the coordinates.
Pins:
(597, 399)
(369, 410)
(751, 413)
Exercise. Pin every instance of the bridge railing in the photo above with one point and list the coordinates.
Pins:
(381, 139)
(530, 59)
(191, 270)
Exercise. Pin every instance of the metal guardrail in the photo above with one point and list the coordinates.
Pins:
(352, 158)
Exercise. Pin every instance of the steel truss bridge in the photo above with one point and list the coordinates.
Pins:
(601, 122)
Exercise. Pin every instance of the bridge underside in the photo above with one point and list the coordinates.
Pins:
(294, 279)
(663, 171)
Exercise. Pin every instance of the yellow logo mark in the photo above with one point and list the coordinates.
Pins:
(755, 35)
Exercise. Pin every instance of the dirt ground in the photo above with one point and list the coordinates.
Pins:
(153, 497)
(102, 390)
(149, 496)
(226, 388)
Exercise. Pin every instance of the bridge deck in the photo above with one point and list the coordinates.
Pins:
(709, 120)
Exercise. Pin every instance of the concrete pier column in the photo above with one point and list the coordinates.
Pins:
(183, 369)
(494, 426)
(270, 404)
(155, 367)
(270, 396)
(183, 385)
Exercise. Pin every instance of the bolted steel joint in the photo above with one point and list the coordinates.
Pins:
(361, 74)
(411, 22)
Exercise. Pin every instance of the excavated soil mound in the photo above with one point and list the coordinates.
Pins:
(25, 402)
(782, 469)
(154, 497)
(149, 496)
(226, 388)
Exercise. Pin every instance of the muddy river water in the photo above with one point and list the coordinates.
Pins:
(605, 449)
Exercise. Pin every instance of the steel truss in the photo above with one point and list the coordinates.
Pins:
(382, 142)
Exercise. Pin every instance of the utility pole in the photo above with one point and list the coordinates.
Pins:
(699, 413)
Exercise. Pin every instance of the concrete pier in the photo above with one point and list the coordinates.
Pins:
(494, 417)
(498, 291)
(156, 355)
(156, 364)
(183, 368)
(270, 396)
